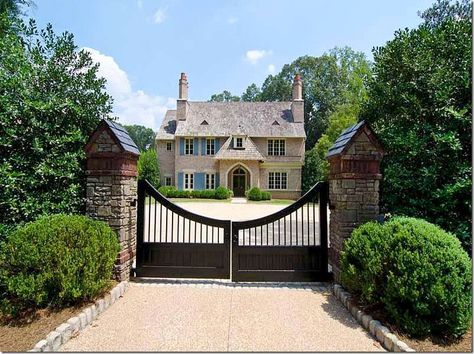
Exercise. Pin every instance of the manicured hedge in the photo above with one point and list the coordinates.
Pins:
(419, 272)
(257, 194)
(218, 193)
(55, 261)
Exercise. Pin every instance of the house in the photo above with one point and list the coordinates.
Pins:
(239, 145)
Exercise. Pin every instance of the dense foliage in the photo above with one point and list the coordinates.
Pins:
(417, 271)
(218, 193)
(54, 261)
(50, 101)
(420, 106)
(257, 194)
(148, 168)
(142, 136)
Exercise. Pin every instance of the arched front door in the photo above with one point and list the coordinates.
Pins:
(240, 181)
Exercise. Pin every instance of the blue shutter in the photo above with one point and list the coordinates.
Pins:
(181, 146)
(199, 181)
(203, 146)
(217, 145)
(217, 180)
(180, 180)
(196, 146)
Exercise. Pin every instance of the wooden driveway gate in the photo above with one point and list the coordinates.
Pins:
(289, 245)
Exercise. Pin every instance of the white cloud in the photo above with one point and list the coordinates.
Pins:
(159, 15)
(255, 55)
(271, 69)
(232, 20)
(132, 107)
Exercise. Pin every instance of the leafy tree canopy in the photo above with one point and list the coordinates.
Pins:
(142, 136)
(420, 106)
(51, 99)
(225, 96)
(251, 94)
(148, 167)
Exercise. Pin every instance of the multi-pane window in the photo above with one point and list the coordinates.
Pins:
(168, 146)
(210, 146)
(276, 147)
(189, 146)
(167, 181)
(210, 181)
(239, 143)
(277, 180)
(188, 181)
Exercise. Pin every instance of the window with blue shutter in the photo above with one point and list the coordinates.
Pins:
(217, 145)
(199, 181)
(181, 146)
(196, 146)
(203, 146)
(180, 180)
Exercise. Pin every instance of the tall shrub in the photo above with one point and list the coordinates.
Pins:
(148, 167)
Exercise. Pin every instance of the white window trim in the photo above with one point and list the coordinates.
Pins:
(170, 144)
(213, 146)
(211, 185)
(191, 146)
(278, 189)
(273, 146)
(190, 181)
(171, 180)
(235, 137)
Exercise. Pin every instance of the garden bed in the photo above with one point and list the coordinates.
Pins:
(22, 334)
(429, 344)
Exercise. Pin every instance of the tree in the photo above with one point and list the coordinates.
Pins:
(444, 10)
(251, 94)
(313, 170)
(148, 168)
(142, 136)
(420, 106)
(51, 100)
(225, 96)
(14, 7)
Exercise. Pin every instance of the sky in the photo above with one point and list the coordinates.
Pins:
(143, 45)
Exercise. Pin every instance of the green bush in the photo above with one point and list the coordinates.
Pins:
(54, 261)
(254, 194)
(204, 194)
(176, 193)
(416, 270)
(223, 193)
(166, 190)
(266, 195)
(148, 168)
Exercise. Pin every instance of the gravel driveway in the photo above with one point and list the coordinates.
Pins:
(220, 316)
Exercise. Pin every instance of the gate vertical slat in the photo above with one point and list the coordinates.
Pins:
(323, 226)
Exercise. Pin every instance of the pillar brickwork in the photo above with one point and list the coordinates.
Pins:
(354, 180)
(111, 173)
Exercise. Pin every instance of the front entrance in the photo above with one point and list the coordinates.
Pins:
(239, 182)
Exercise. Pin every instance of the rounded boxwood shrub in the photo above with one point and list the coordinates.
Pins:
(222, 193)
(417, 271)
(266, 195)
(166, 190)
(54, 261)
(254, 194)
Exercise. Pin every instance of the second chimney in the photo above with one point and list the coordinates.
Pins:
(297, 106)
(182, 103)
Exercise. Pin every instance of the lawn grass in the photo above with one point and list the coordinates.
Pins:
(273, 201)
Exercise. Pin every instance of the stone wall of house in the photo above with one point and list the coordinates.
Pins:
(112, 195)
(353, 193)
(166, 160)
(293, 190)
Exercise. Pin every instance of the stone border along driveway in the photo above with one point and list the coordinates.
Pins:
(382, 333)
(218, 315)
(75, 325)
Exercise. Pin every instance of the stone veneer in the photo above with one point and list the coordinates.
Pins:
(353, 190)
(112, 193)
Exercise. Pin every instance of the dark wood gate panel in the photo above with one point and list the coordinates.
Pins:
(173, 242)
(290, 245)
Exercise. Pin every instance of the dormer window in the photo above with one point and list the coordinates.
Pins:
(238, 142)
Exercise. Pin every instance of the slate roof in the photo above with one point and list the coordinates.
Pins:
(168, 126)
(249, 152)
(255, 119)
(124, 139)
(343, 140)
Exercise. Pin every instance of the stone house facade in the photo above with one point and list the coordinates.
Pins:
(239, 145)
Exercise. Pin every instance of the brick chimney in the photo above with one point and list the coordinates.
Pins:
(297, 105)
(182, 103)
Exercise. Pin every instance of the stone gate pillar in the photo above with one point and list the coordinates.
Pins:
(354, 177)
(111, 171)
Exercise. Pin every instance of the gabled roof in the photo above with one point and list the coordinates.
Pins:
(168, 126)
(344, 140)
(124, 139)
(249, 151)
(255, 119)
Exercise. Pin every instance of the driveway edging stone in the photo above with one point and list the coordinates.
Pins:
(73, 326)
(383, 335)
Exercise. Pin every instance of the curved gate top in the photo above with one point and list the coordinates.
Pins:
(289, 245)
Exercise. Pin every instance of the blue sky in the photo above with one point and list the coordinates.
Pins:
(143, 45)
